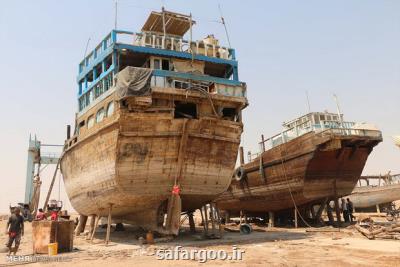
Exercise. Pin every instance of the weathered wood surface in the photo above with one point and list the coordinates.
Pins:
(370, 196)
(130, 159)
(46, 232)
(305, 167)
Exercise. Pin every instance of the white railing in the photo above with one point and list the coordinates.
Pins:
(322, 129)
(175, 43)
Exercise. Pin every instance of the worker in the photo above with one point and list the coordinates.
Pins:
(350, 209)
(15, 230)
(40, 216)
(54, 215)
(345, 210)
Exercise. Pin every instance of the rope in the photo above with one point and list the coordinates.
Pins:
(209, 98)
(290, 190)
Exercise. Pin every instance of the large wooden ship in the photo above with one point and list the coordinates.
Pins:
(159, 117)
(315, 158)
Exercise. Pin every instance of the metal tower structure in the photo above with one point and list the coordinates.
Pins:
(35, 159)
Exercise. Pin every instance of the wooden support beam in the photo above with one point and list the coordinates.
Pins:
(312, 211)
(227, 217)
(329, 213)
(91, 225)
(80, 228)
(206, 217)
(241, 155)
(51, 186)
(212, 218)
(109, 224)
(271, 219)
(295, 217)
(337, 209)
(320, 210)
(203, 221)
(191, 223)
(95, 227)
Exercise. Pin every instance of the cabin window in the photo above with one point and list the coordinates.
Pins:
(100, 115)
(328, 117)
(316, 119)
(165, 64)
(110, 109)
(322, 117)
(335, 118)
(108, 62)
(156, 64)
(90, 122)
(185, 110)
(80, 125)
(229, 114)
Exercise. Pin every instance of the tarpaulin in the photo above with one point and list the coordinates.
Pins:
(133, 81)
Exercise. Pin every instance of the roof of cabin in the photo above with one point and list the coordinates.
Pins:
(175, 23)
(308, 115)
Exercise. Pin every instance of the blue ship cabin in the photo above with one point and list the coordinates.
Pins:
(175, 62)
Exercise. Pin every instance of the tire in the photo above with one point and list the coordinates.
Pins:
(240, 174)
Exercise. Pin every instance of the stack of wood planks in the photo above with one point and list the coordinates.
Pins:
(374, 230)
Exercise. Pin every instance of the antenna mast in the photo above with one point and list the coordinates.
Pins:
(338, 109)
(87, 45)
(116, 14)
(308, 102)
(225, 27)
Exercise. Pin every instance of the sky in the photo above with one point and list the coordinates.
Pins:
(350, 48)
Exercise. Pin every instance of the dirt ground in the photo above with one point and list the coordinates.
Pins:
(263, 247)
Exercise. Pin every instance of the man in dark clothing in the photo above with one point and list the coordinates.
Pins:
(15, 229)
(350, 209)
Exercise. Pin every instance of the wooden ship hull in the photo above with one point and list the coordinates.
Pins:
(131, 159)
(302, 171)
(370, 196)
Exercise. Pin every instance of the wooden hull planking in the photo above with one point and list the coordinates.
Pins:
(131, 163)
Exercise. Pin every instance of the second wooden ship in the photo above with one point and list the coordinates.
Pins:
(316, 158)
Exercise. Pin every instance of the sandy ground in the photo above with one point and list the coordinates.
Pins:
(263, 247)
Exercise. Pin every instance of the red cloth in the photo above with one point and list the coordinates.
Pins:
(54, 215)
(176, 190)
(12, 234)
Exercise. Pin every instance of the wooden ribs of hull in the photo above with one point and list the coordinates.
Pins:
(133, 163)
(304, 170)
